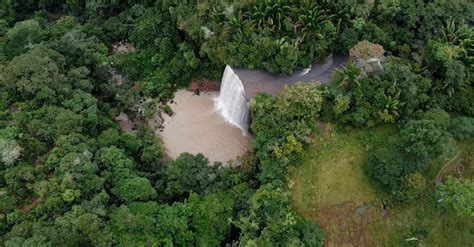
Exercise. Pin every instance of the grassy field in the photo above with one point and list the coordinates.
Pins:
(331, 188)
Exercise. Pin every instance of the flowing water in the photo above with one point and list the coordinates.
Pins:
(255, 81)
(197, 127)
(238, 85)
(216, 124)
(232, 101)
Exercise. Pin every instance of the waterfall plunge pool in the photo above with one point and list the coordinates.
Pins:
(197, 126)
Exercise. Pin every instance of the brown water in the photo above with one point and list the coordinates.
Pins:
(255, 81)
(197, 127)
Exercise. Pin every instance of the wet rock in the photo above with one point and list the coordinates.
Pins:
(124, 122)
(370, 66)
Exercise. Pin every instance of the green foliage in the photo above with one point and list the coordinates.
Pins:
(190, 173)
(173, 227)
(167, 109)
(373, 99)
(459, 195)
(211, 218)
(71, 195)
(412, 187)
(425, 140)
(278, 36)
(24, 35)
(462, 128)
(35, 75)
(109, 137)
(439, 116)
(134, 224)
(60, 27)
(134, 189)
(66, 166)
(282, 126)
(271, 214)
(388, 167)
(82, 227)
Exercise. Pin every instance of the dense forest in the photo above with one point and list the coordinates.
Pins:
(69, 175)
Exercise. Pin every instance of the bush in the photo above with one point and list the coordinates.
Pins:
(388, 167)
(439, 116)
(424, 140)
(412, 187)
(462, 128)
(459, 195)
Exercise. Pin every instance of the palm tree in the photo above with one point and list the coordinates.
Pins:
(340, 13)
(461, 35)
(270, 12)
(390, 112)
(237, 25)
(348, 76)
(310, 20)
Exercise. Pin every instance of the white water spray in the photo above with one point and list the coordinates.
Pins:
(232, 101)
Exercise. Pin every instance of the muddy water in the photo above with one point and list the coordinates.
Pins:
(197, 127)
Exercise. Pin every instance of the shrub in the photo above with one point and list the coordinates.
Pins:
(425, 140)
(412, 187)
(462, 128)
(459, 195)
(439, 116)
(388, 167)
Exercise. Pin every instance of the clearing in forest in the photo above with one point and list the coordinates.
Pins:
(331, 187)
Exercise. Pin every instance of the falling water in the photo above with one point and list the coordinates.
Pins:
(232, 101)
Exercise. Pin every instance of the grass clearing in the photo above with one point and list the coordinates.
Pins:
(331, 188)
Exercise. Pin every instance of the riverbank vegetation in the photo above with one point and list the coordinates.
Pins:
(382, 155)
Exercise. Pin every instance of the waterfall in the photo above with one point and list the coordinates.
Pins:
(232, 101)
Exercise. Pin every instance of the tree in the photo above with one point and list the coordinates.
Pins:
(10, 151)
(82, 227)
(439, 116)
(412, 187)
(190, 173)
(84, 104)
(134, 224)
(211, 218)
(108, 137)
(425, 140)
(272, 222)
(60, 27)
(35, 75)
(115, 166)
(22, 37)
(388, 166)
(173, 225)
(462, 128)
(459, 195)
(134, 189)
(79, 175)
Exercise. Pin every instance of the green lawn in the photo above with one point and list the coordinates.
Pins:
(331, 188)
